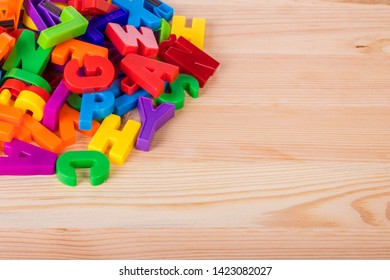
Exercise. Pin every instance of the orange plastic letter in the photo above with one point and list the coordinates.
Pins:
(77, 50)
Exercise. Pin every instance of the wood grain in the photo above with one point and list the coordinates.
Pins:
(285, 154)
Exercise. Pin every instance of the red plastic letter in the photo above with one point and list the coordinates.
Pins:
(131, 40)
(148, 73)
(189, 58)
(99, 75)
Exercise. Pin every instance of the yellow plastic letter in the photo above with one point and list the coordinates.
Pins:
(195, 34)
(28, 100)
(121, 141)
(5, 97)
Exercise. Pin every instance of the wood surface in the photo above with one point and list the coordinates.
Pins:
(285, 154)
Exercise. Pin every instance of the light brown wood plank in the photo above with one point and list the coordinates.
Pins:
(192, 243)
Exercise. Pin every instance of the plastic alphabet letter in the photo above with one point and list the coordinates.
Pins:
(10, 13)
(5, 97)
(78, 50)
(195, 34)
(164, 31)
(14, 86)
(42, 136)
(7, 42)
(128, 86)
(27, 77)
(125, 103)
(95, 106)
(92, 7)
(189, 58)
(26, 56)
(69, 161)
(72, 24)
(99, 75)
(131, 40)
(152, 120)
(23, 134)
(69, 122)
(28, 100)
(178, 87)
(148, 73)
(54, 105)
(7, 132)
(26, 159)
(159, 9)
(121, 141)
(97, 26)
(145, 13)
(39, 91)
(11, 115)
(43, 13)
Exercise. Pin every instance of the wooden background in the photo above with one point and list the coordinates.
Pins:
(286, 154)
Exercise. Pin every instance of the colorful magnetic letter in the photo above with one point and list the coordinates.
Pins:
(69, 161)
(189, 58)
(39, 91)
(95, 106)
(54, 105)
(10, 13)
(5, 97)
(145, 13)
(28, 100)
(131, 40)
(69, 122)
(152, 120)
(72, 24)
(195, 34)
(97, 26)
(159, 9)
(27, 77)
(99, 75)
(92, 7)
(164, 31)
(78, 50)
(26, 56)
(7, 132)
(121, 105)
(7, 42)
(128, 86)
(41, 135)
(178, 87)
(43, 13)
(121, 142)
(23, 134)
(14, 86)
(11, 115)
(148, 73)
(125, 103)
(26, 159)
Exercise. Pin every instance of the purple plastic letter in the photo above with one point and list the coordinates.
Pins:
(43, 13)
(54, 106)
(26, 159)
(152, 120)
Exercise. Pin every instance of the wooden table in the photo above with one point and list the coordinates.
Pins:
(285, 154)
